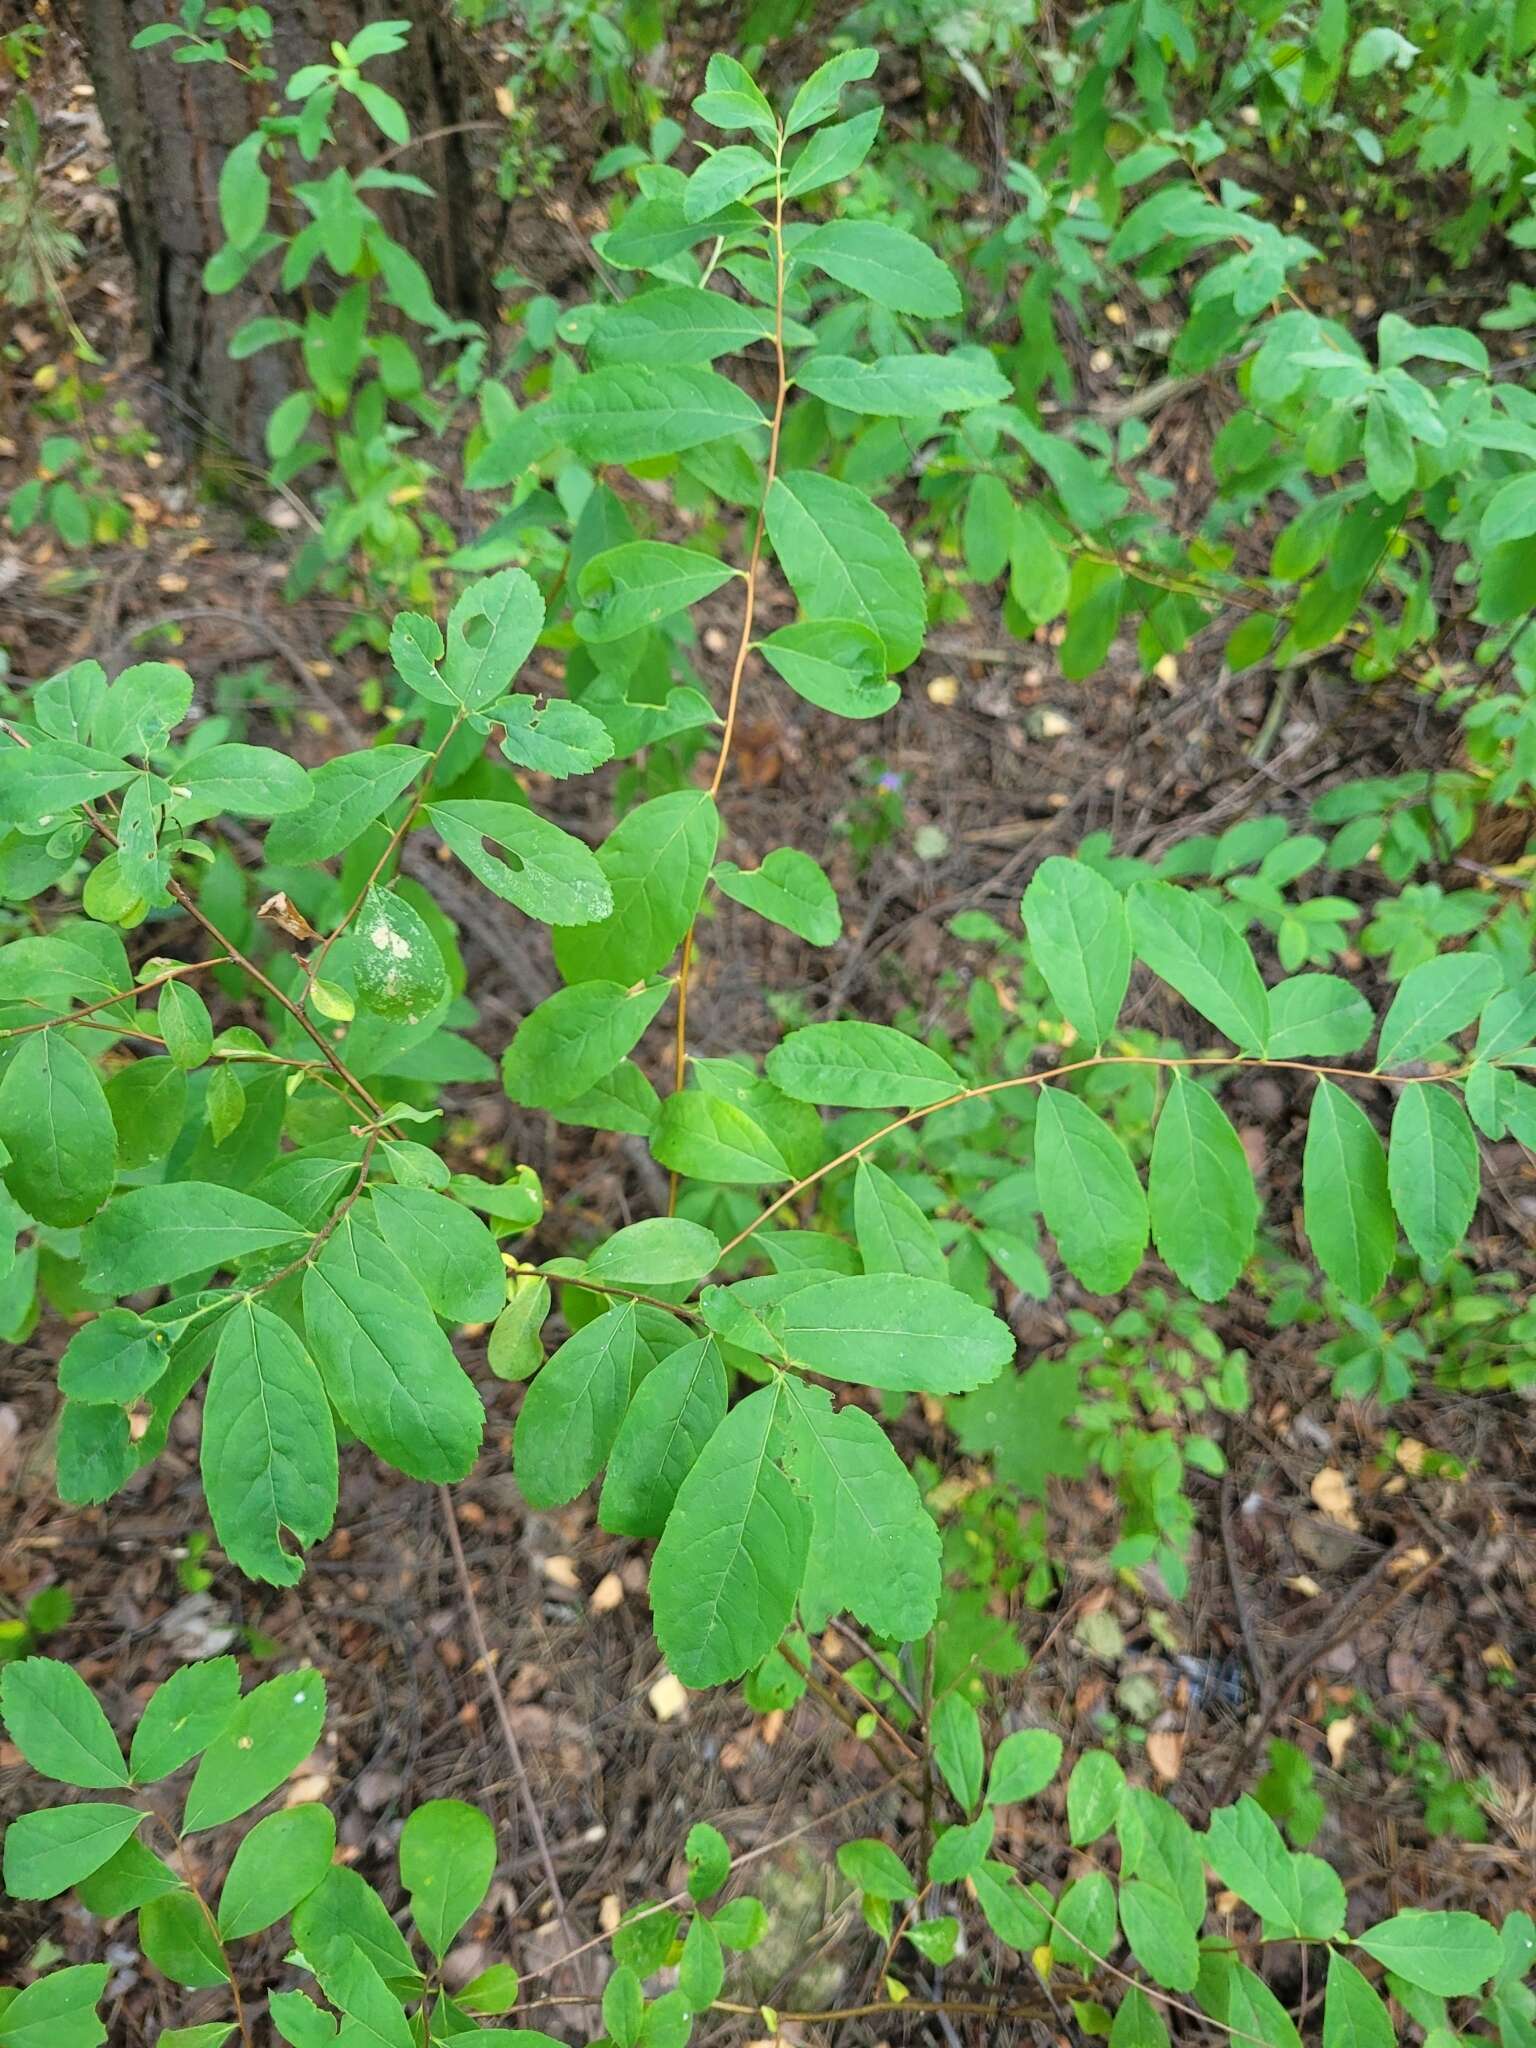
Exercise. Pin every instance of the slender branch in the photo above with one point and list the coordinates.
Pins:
(248, 966)
(191, 1883)
(1125, 1059)
(755, 559)
(125, 995)
(673, 1308)
(749, 604)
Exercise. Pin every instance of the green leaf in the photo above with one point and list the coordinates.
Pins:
(148, 1101)
(1013, 1914)
(185, 1025)
(1095, 1793)
(874, 1549)
(1160, 1937)
(265, 1739)
(115, 1358)
(45, 1853)
(1081, 942)
(1084, 1932)
(724, 177)
(182, 1716)
(1346, 1206)
(244, 190)
(152, 1236)
(876, 1869)
(1025, 1763)
(551, 875)
(575, 1038)
(1157, 1843)
(862, 1066)
(1434, 1000)
(94, 1454)
(701, 1968)
(893, 1233)
(959, 1852)
(268, 1446)
(53, 1718)
(818, 96)
(1243, 2003)
(675, 324)
(836, 664)
(655, 863)
(572, 1411)
(676, 1409)
(789, 889)
(51, 776)
(652, 232)
(127, 1880)
(514, 1350)
(374, 2017)
(1191, 946)
(447, 1861)
(449, 1251)
(662, 1251)
(345, 1912)
(58, 2011)
(906, 386)
(398, 964)
(1433, 1171)
(1091, 1199)
(211, 2034)
(954, 1736)
(709, 1861)
(630, 588)
(281, 1861)
(391, 1373)
(1296, 1896)
(1510, 513)
(1452, 1954)
(491, 632)
(623, 2007)
(493, 1991)
(985, 528)
(710, 1138)
(733, 99)
(141, 708)
(1200, 1192)
(300, 2021)
(1387, 445)
(834, 154)
(1137, 2023)
(628, 414)
(245, 782)
(1316, 1016)
(845, 560)
(1509, 1022)
(1353, 2013)
(732, 1557)
(883, 263)
(57, 1128)
(891, 1330)
(556, 738)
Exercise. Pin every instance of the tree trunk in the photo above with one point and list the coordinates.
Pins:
(172, 125)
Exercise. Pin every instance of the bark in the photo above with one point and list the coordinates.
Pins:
(172, 125)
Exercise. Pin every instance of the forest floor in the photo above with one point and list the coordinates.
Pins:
(1330, 1578)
